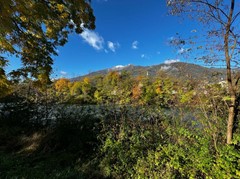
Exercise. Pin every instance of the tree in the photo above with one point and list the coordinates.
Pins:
(4, 83)
(83, 91)
(222, 18)
(33, 29)
(62, 85)
(110, 88)
(76, 88)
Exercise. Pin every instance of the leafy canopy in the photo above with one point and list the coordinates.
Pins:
(32, 29)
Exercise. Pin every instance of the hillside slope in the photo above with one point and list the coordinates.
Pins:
(178, 70)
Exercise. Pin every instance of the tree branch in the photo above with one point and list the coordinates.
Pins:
(235, 17)
(210, 5)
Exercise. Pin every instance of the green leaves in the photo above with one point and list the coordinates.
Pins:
(165, 148)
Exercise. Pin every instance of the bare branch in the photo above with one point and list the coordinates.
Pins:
(216, 18)
(210, 5)
(235, 17)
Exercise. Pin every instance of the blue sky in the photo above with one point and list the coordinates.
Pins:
(127, 32)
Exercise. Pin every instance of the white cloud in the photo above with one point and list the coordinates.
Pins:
(93, 39)
(145, 56)
(170, 61)
(135, 44)
(113, 46)
(63, 73)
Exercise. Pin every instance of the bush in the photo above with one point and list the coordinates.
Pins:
(165, 147)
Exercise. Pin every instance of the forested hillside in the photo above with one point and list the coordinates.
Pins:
(177, 70)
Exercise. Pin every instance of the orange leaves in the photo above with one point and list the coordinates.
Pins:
(158, 90)
(136, 92)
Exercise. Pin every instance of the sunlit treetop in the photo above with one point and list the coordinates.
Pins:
(32, 29)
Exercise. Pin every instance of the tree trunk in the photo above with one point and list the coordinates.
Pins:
(231, 117)
(230, 80)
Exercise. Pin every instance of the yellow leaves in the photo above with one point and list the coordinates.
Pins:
(86, 80)
(32, 29)
(52, 28)
(49, 31)
(33, 33)
(97, 96)
(60, 7)
(5, 45)
(226, 98)
(5, 87)
(76, 88)
(158, 90)
(62, 10)
(62, 84)
(23, 18)
(238, 173)
(187, 96)
(64, 15)
(43, 80)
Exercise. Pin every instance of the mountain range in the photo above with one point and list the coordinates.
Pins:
(177, 70)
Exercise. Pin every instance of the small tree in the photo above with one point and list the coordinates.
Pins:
(222, 17)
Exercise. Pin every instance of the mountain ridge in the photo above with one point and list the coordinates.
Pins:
(176, 69)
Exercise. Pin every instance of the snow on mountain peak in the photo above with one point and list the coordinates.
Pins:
(119, 67)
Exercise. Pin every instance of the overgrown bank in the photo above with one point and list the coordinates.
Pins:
(116, 142)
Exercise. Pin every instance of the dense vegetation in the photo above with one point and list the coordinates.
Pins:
(117, 126)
